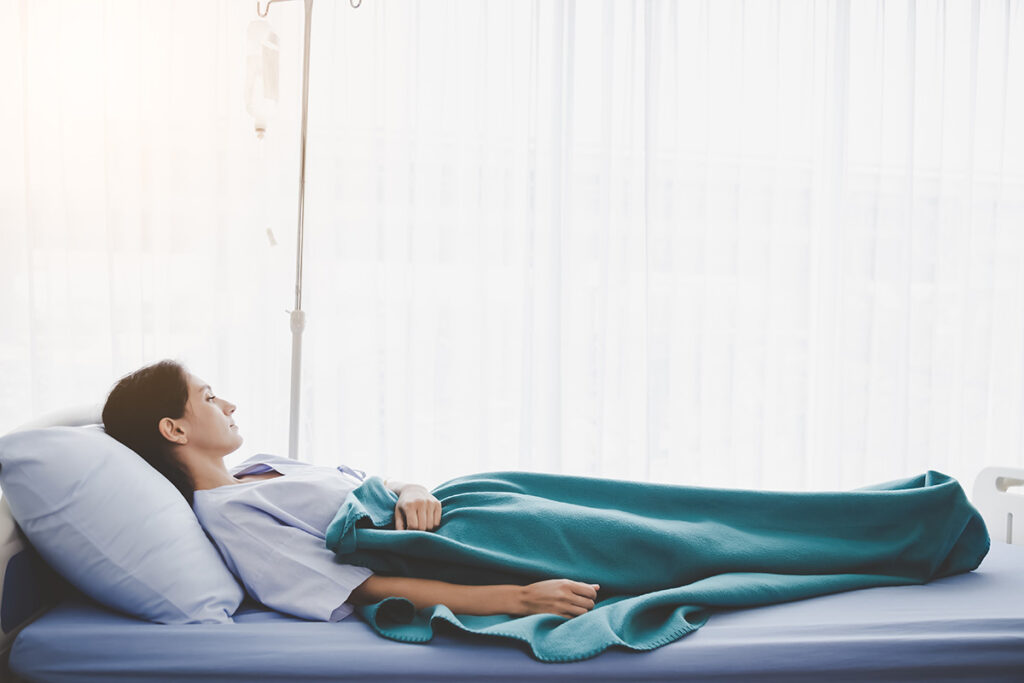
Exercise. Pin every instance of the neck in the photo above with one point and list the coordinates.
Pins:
(207, 472)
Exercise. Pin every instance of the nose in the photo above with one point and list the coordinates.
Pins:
(228, 407)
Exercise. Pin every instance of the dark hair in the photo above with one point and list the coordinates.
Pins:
(135, 407)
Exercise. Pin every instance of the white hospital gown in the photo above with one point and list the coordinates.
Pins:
(271, 534)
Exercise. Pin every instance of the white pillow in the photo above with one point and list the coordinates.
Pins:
(113, 526)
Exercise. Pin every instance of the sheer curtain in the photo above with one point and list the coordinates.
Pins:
(133, 208)
(769, 245)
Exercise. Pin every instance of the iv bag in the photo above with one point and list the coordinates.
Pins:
(261, 58)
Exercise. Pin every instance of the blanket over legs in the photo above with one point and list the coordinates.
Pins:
(665, 556)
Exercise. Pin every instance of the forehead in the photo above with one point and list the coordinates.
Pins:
(196, 384)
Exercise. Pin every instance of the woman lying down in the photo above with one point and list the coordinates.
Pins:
(597, 562)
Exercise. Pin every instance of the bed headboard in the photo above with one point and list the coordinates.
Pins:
(999, 496)
(28, 587)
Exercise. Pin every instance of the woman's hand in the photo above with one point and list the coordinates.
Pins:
(563, 597)
(417, 509)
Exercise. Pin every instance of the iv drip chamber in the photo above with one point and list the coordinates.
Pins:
(261, 73)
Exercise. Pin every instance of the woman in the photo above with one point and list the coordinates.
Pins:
(312, 541)
(268, 516)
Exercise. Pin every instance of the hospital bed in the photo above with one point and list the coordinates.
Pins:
(964, 627)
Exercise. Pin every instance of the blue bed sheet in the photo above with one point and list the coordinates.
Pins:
(968, 626)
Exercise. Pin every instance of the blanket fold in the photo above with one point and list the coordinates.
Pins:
(665, 556)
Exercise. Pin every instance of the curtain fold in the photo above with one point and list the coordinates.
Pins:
(764, 245)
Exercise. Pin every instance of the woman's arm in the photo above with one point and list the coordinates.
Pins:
(563, 597)
(417, 509)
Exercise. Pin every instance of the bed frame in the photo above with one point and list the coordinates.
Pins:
(28, 587)
(1000, 505)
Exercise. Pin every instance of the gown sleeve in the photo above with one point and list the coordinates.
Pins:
(286, 568)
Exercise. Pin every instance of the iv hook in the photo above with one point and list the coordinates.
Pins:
(263, 14)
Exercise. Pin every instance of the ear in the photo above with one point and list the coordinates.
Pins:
(172, 431)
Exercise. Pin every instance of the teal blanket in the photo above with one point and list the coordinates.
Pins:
(665, 556)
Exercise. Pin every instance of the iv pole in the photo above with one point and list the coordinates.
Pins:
(298, 316)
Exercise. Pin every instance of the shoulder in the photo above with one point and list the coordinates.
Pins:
(214, 507)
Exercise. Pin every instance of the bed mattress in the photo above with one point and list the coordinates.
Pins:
(969, 626)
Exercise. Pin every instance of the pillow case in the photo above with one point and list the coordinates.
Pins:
(113, 526)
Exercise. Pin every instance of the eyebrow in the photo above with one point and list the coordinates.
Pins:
(205, 387)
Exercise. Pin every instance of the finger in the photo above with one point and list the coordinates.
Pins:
(437, 515)
(399, 520)
(411, 521)
(580, 601)
(424, 516)
(587, 590)
(574, 611)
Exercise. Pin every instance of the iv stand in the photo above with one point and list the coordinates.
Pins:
(298, 316)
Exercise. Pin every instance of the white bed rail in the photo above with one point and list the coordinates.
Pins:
(999, 497)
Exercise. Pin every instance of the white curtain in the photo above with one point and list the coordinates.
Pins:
(133, 207)
(762, 244)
